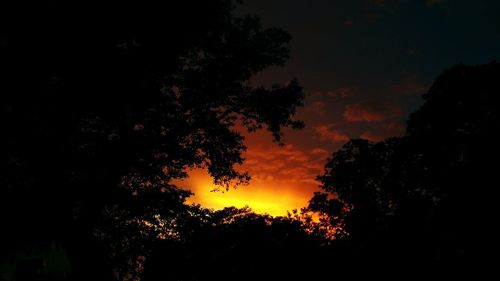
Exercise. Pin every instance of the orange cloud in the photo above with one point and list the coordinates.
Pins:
(371, 111)
(327, 132)
(286, 164)
(319, 151)
(283, 178)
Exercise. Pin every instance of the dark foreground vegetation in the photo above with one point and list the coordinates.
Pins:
(103, 105)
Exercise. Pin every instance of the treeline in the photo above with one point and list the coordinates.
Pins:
(425, 202)
(420, 205)
(104, 104)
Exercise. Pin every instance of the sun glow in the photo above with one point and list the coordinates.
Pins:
(270, 197)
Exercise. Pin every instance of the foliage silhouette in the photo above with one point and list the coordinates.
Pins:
(237, 244)
(105, 103)
(423, 202)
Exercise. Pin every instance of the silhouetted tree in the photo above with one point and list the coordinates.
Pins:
(453, 138)
(237, 244)
(104, 103)
(424, 201)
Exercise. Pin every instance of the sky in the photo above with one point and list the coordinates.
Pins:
(364, 65)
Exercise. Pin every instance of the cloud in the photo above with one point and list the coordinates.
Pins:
(412, 52)
(348, 22)
(319, 155)
(372, 136)
(408, 85)
(288, 164)
(317, 107)
(396, 128)
(384, 130)
(319, 151)
(371, 111)
(327, 132)
(343, 92)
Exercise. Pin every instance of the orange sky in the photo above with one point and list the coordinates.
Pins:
(283, 178)
(351, 90)
(335, 110)
(262, 197)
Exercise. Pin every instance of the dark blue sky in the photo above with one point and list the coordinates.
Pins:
(373, 41)
(381, 53)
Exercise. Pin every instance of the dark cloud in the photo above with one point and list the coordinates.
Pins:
(343, 92)
(316, 107)
(371, 111)
(412, 52)
(409, 84)
(372, 136)
(328, 132)
(349, 22)
(380, 3)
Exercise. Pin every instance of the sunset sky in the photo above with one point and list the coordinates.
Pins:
(363, 65)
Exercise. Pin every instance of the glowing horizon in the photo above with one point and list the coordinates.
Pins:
(263, 197)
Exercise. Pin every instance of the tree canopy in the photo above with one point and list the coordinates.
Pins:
(106, 102)
(425, 200)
